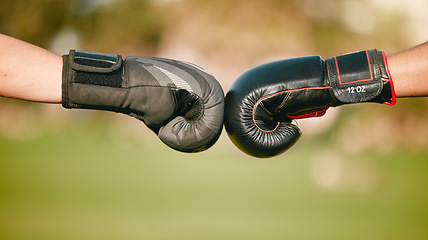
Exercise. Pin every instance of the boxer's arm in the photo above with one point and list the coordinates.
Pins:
(182, 103)
(28, 72)
(409, 71)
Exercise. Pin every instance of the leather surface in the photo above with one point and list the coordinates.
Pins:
(262, 102)
(259, 102)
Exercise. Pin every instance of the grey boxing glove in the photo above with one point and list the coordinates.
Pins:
(262, 102)
(182, 103)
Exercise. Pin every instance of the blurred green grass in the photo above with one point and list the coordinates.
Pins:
(83, 183)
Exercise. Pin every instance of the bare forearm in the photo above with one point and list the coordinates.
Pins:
(28, 72)
(409, 71)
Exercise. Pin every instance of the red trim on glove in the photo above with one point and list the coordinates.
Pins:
(311, 114)
(393, 98)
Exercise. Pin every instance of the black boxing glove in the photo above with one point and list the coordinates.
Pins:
(262, 102)
(180, 102)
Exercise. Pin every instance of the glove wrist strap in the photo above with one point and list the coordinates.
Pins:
(360, 77)
(89, 77)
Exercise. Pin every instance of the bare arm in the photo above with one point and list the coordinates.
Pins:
(28, 72)
(409, 71)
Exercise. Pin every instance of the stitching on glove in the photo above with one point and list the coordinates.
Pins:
(286, 91)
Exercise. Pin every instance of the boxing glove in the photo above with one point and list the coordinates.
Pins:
(182, 103)
(262, 102)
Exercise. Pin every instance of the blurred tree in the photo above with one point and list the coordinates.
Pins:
(121, 22)
(100, 24)
(33, 21)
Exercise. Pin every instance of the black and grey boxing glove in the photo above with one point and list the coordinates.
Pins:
(262, 102)
(182, 103)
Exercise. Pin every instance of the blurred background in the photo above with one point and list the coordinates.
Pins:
(359, 172)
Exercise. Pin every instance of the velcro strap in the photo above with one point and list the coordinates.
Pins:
(353, 68)
(357, 77)
(96, 68)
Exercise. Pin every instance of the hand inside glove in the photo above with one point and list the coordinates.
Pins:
(262, 102)
(182, 103)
